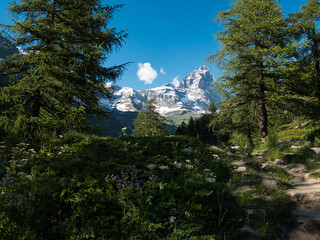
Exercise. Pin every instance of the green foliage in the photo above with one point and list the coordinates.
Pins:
(241, 140)
(87, 187)
(149, 122)
(273, 151)
(200, 128)
(57, 82)
(301, 156)
(314, 175)
(283, 177)
(253, 52)
(305, 69)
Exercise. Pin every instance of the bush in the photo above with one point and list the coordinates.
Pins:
(301, 156)
(87, 187)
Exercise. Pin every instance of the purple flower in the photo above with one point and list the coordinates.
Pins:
(151, 177)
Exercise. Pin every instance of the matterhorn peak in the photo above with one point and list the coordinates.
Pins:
(201, 78)
(193, 95)
(204, 70)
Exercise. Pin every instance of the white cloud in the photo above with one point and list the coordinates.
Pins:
(162, 71)
(176, 81)
(146, 73)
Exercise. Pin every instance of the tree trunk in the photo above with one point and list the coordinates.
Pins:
(35, 112)
(263, 115)
(250, 141)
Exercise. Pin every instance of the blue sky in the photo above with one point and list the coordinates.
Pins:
(167, 39)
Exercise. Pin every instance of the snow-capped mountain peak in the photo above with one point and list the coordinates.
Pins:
(194, 94)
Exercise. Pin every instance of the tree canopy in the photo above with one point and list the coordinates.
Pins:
(59, 78)
(254, 51)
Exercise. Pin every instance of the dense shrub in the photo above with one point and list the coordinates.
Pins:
(86, 187)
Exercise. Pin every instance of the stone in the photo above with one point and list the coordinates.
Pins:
(278, 162)
(316, 150)
(270, 184)
(239, 163)
(245, 188)
(241, 169)
(248, 229)
(296, 147)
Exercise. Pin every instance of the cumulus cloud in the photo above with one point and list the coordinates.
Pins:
(162, 71)
(146, 73)
(176, 81)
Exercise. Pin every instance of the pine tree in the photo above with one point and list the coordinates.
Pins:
(149, 122)
(58, 80)
(254, 49)
(191, 127)
(306, 64)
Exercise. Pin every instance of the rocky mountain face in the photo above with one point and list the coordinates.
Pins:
(191, 97)
(6, 49)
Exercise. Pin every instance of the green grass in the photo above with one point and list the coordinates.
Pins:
(314, 175)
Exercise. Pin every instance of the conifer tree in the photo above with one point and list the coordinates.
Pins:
(59, 78)
(306, 65)
(253, 52)
(149, 122)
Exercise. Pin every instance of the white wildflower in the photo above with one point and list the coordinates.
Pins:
(189, 166)
(21, 174)
(207, 170)
(216, 156)
(172, 219)
(188, 161)
(177, 165)
(124, 129)
(161, 186)
(32, 150)
(164, 167)
(211, 180)
(60, 136)
(151, 166)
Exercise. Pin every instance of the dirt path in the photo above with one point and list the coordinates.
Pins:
(306, 212)
(305, 194)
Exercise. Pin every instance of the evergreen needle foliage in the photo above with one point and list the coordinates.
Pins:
(149, 122)
(254, 50)
(58, 79)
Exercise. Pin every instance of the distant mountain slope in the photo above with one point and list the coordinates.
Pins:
(192, 97)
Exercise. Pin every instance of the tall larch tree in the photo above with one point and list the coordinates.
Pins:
(252, 55)
(59, 78)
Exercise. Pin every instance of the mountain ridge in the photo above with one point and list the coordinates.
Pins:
(193, 95)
